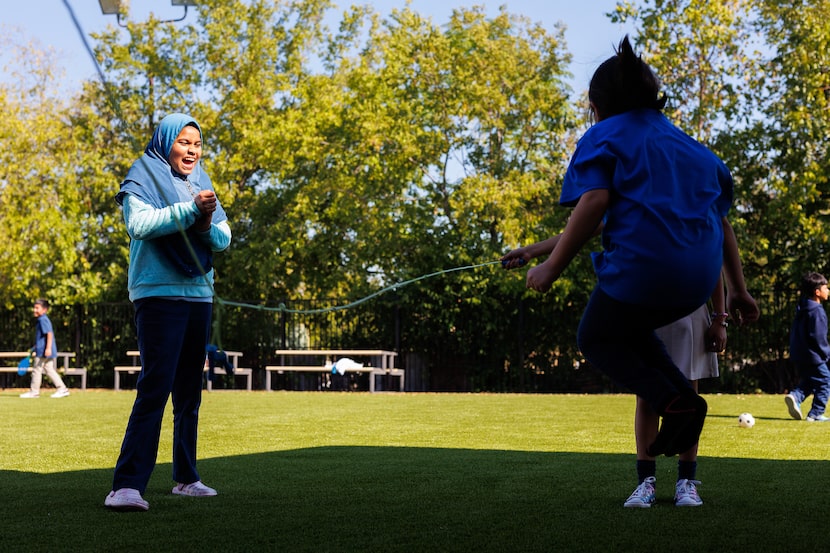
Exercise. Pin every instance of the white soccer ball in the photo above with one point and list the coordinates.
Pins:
(746, 420)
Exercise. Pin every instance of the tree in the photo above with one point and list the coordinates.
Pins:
(348, 179)
(697, 50)
(786, 151)
(47, 223)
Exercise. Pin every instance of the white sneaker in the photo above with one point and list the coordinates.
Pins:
(196, 489)
(793, 406)
(685, 493)
(643, 495)
(30, 395)
(126, 499)
(63, 392)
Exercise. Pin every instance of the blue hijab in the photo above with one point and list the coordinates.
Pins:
(152, 180)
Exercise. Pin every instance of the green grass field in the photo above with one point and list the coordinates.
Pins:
(323, 472)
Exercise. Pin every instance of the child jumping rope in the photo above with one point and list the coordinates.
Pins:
(660, 200)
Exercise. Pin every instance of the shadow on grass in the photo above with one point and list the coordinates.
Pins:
(420, 499)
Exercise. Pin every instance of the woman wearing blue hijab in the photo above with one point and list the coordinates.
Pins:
(175, 223)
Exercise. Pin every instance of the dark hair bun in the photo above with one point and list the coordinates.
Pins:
(624, 82)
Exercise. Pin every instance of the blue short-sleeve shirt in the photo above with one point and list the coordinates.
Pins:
(43, 326)
(663, 235)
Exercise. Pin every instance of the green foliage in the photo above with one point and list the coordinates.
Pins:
(787, 189)
(52, 223)
(697, 50)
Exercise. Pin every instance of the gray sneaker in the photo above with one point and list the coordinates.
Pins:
(195, 489)
(820, 418)
(794, 407)
(643, 495)
(685, 493)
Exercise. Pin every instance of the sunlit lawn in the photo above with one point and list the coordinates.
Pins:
(332, 471)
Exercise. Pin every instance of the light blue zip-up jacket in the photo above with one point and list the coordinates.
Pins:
(150, 273)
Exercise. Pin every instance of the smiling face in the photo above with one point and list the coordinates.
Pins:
(186, 151)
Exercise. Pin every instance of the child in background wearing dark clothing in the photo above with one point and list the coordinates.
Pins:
(662, 199)
(810, 350)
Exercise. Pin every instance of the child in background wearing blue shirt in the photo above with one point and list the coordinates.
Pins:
(46, 352)
(662, 200)
(810, 350)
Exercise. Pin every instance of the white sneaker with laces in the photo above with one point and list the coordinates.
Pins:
(30, 395)
(126, 499)
(643, 495)
(63, 392)
(196, 489)
(685, 493)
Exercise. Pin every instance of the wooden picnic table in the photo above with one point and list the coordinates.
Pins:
(233, 357)
(385, 363)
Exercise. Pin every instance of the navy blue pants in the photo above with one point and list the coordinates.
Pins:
(815, 379)
(618, 339)
(172, 336)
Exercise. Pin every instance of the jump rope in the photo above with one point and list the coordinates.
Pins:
(216, 355)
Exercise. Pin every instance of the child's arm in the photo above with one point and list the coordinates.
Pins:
(716, 334)
(582, 225)
(47, 352)
(739, 303)
(520, 256)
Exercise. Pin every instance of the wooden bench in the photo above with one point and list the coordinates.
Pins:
(119, 369)
(232, 355)
(385, 367)
(64, 369)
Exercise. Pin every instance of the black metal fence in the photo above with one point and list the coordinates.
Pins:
(529, 347)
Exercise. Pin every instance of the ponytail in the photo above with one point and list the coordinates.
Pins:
(624, 82)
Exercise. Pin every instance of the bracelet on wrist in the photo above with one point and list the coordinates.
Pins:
(720, 318)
